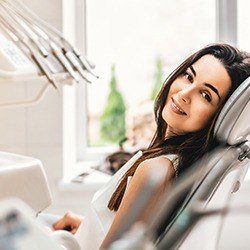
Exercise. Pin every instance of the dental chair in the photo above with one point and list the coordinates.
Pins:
(218, 180)
(204, 191)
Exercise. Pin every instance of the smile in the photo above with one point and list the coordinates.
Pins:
(176, 108)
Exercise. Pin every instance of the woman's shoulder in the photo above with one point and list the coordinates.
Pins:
(156, 163)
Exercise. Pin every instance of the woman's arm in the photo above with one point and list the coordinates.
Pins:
(136, 184)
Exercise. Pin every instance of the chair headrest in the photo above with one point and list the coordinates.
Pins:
(232, 125)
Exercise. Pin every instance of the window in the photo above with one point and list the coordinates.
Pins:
(244, 24)
(134, 36)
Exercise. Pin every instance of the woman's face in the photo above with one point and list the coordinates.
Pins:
(195, 96)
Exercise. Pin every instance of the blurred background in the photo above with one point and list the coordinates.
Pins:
(144, 41)
(135, 45)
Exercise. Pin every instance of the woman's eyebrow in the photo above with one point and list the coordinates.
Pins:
(192, 69)
(213, 88)
(207, 84)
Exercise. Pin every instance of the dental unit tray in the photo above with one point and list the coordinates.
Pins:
(23, 177)
(30, 47)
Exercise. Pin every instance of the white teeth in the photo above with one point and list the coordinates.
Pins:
(179, 109)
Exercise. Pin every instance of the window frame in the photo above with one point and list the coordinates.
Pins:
(77, 155)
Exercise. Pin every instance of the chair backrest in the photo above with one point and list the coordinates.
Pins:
(24, 177)
(204, 177)
(208, 229)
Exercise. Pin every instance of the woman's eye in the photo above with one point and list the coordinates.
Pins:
(188, 77)
(207, 96)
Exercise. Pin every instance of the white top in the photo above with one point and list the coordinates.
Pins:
(99, 219)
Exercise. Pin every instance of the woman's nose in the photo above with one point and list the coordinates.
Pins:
(185, 95)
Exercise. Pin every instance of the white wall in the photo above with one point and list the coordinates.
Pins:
(37, 130)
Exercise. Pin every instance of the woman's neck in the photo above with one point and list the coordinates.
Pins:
(170, 132)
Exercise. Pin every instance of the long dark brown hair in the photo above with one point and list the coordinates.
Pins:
(190, 146)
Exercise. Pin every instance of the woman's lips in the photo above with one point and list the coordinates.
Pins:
(176, 108)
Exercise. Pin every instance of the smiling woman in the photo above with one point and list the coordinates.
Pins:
(187, 106)
(186, 109)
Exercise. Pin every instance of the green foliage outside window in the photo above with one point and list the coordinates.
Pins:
(113, 117)
(158, 79)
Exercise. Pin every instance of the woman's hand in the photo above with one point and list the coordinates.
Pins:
(69, 222)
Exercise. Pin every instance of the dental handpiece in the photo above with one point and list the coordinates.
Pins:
(60, 56)
(29, 33)
(44, 68)
(39, 60)
(84, 61)
(86, 64)
(55, 50)
(69, 55)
